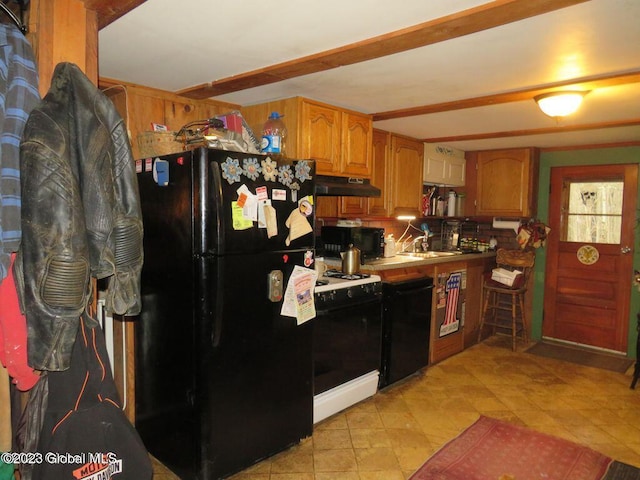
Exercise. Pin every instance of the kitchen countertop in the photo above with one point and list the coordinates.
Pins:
(401, 261)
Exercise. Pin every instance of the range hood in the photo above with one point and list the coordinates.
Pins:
(328, 186)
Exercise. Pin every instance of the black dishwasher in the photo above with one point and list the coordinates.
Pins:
(406, 326)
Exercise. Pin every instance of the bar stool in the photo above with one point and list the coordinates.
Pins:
(498, 297)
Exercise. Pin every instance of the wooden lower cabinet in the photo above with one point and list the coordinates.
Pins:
(444, 344)
(473, 307)
(471, 271)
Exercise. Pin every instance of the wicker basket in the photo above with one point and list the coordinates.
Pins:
(153, 144)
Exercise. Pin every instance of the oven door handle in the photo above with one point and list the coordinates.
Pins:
(355, 303)
(412, 291)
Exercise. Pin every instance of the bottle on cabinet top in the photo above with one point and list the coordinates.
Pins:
(274, 135)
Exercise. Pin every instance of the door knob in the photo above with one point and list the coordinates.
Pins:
(625, 250)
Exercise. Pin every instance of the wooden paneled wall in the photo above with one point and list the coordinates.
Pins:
(140, 106)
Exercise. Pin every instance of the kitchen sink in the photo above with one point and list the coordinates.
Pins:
(430, 254)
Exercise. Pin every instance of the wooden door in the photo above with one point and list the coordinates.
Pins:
(406, 175)
(590, 255)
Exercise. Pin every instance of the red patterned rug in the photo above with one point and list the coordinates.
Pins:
(491, 449)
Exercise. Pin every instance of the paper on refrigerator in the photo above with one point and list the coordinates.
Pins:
(298, 299)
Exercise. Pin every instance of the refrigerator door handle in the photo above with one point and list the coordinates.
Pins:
(215, 207)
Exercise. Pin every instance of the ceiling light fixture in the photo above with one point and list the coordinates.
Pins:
(560, 104)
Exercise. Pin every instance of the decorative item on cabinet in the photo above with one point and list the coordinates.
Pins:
(444, 165)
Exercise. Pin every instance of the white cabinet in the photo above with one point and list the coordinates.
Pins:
(444, 165)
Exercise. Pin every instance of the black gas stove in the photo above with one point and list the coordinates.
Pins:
(336, 288)
(347, 340)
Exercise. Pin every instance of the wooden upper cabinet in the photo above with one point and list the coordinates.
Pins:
(338, 140)
(406, 175)
(380, 166)
(357, 136)
(321, 136)
(356, 161)
(507, 182)
(444, 166)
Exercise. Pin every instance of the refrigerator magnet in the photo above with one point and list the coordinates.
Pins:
(263, 206)
(238, 220)
(298, 226)
(278, 194)
(271, 220)
(244, 195)
(161, 172)
(231, 170)
(262, 193)
(295, 186)
(308, 258)
(305, 207)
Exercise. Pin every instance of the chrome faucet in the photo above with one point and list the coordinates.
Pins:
(421, 244)
(407, 243)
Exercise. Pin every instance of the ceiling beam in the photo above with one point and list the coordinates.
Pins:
(584, 83)
(483, 17)
(110, 10)
(535, 131)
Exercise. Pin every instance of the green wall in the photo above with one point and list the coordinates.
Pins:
(572, 158)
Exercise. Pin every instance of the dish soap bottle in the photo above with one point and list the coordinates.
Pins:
(274, 135)
(389, 246)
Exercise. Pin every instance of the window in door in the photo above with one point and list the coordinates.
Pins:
(594, 212)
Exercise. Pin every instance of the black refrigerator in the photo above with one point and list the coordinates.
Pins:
(223, 378)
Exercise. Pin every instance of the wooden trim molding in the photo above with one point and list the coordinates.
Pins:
(109, 11)
(584, 83)
(536, 131)
(483, 17)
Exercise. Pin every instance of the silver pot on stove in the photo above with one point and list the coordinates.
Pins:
(351, 260)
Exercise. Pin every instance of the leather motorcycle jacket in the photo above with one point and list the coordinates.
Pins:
(81, 215)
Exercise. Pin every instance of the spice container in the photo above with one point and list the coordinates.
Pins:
(460, 205)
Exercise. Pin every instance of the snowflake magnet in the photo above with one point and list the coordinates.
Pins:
(231, 170)
(285, 175)
(269, 169)
(251, 168)
(303, 169)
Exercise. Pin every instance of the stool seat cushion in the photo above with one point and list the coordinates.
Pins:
(518, 283)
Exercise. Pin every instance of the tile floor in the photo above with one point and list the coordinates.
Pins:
(390, 435)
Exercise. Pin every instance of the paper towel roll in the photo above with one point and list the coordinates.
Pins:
(506, 223)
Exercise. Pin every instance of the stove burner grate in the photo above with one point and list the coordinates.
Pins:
(344, 276)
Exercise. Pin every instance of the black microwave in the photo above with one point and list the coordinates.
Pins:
(370, 241)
